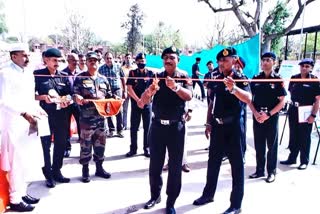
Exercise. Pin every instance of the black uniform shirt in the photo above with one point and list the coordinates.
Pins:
(166, 103)
(43, 84)
(227, 104)
(140, 84)
(195, 68)
(304, 92)
(265, 94)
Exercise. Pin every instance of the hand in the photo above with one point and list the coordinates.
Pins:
(124, 95)
(48, 99)
(310, 119)
(229, 83)
(208, 130)
(140, 104)
(257, 116)
(187, 116)
(64, 104)
(79, 99)
(263, 116)
(30, 118)
(171, 83)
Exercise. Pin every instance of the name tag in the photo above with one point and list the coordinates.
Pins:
(103, 86)
(62, 84)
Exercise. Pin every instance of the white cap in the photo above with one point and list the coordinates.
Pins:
(19, 47)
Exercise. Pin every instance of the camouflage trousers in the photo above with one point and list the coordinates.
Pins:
(92, 138)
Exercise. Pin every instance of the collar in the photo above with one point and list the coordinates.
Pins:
(16, 67)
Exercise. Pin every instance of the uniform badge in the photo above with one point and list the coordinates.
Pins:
(272, 85)
(174, 49)
(87, 82)
(225, 52)
(245, 83)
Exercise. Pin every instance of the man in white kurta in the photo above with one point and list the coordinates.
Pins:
(18, 109)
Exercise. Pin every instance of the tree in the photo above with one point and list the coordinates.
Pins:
(134, 26)
(3, 25)
(250, 21)
(273, 29)
(76, 34)
(163, 36)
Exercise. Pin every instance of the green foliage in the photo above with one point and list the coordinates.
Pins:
(163, 36)
(279, 16)
(12, 39)
(3, 25)
(133, 25)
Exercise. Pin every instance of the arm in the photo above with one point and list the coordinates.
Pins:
(315, 109)
(132, 94)
(209, 120)
(183, 93)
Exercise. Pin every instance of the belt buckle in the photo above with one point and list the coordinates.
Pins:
(219, 121)
(165, 122)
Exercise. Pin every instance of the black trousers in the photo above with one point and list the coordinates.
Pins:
(161, 137)
(225, 139)
(136, 114)
(300, 137)
(75, 111)
(58, 123)
(266, 135)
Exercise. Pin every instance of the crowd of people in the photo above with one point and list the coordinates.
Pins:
(42, 105)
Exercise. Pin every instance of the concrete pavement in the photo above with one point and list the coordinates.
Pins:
(294, 191)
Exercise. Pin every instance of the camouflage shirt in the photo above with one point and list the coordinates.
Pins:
(91, 88)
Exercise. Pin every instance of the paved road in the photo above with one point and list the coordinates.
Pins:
(294, 191)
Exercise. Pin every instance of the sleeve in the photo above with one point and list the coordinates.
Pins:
(244, 85)
(290, 84)
(281, 89)
(130, 80)
(316, 88)
(76, 86)
(121, 72)
(194, 68)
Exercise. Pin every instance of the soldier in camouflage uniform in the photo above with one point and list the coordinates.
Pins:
(91, 85)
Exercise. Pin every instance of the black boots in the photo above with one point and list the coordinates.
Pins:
(85, 173)
(100, 172)
(50, 183)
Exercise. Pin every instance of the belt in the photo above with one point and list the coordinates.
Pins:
(223, 120)
(264, 109)
(295, 104)
(166, 122)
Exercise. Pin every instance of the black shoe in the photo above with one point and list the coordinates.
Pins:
(50, 183)
(21, 207)
(170, 210)
(186, 168)
(302, 166)
(67, 153)
(152, 202)
(146, 154)
(58, 177)
(271, 178)
(120, 134)
(256, 175)
(202, 200)
(130, 154)
(85, 174)
(288, 162)
(30, 200)
(232, 210)
(102, 174)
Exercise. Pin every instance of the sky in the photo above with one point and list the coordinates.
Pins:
(194, 20)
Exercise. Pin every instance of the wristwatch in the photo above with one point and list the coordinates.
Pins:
(269, 114)
(313, 115)
(178, 87)
(233, 90)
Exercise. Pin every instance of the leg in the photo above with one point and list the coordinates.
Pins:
(157, 139)
(272, 143)
(146, 119)
(175, 147)
(134, 126)
(260, 146)
(125, 112)
(304, 142)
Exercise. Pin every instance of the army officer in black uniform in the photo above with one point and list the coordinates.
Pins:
(167, 129)
(50, 86)
(303, 93)
(224, 128)
(267, 101)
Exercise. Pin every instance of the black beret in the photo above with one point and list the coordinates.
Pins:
(307, 61)
(198, 59)
(241, 62)
(170, 50)
(53, 52)
(229, 51)
(210, 61)
(91, 55)
(140, 56)
(269, 55)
